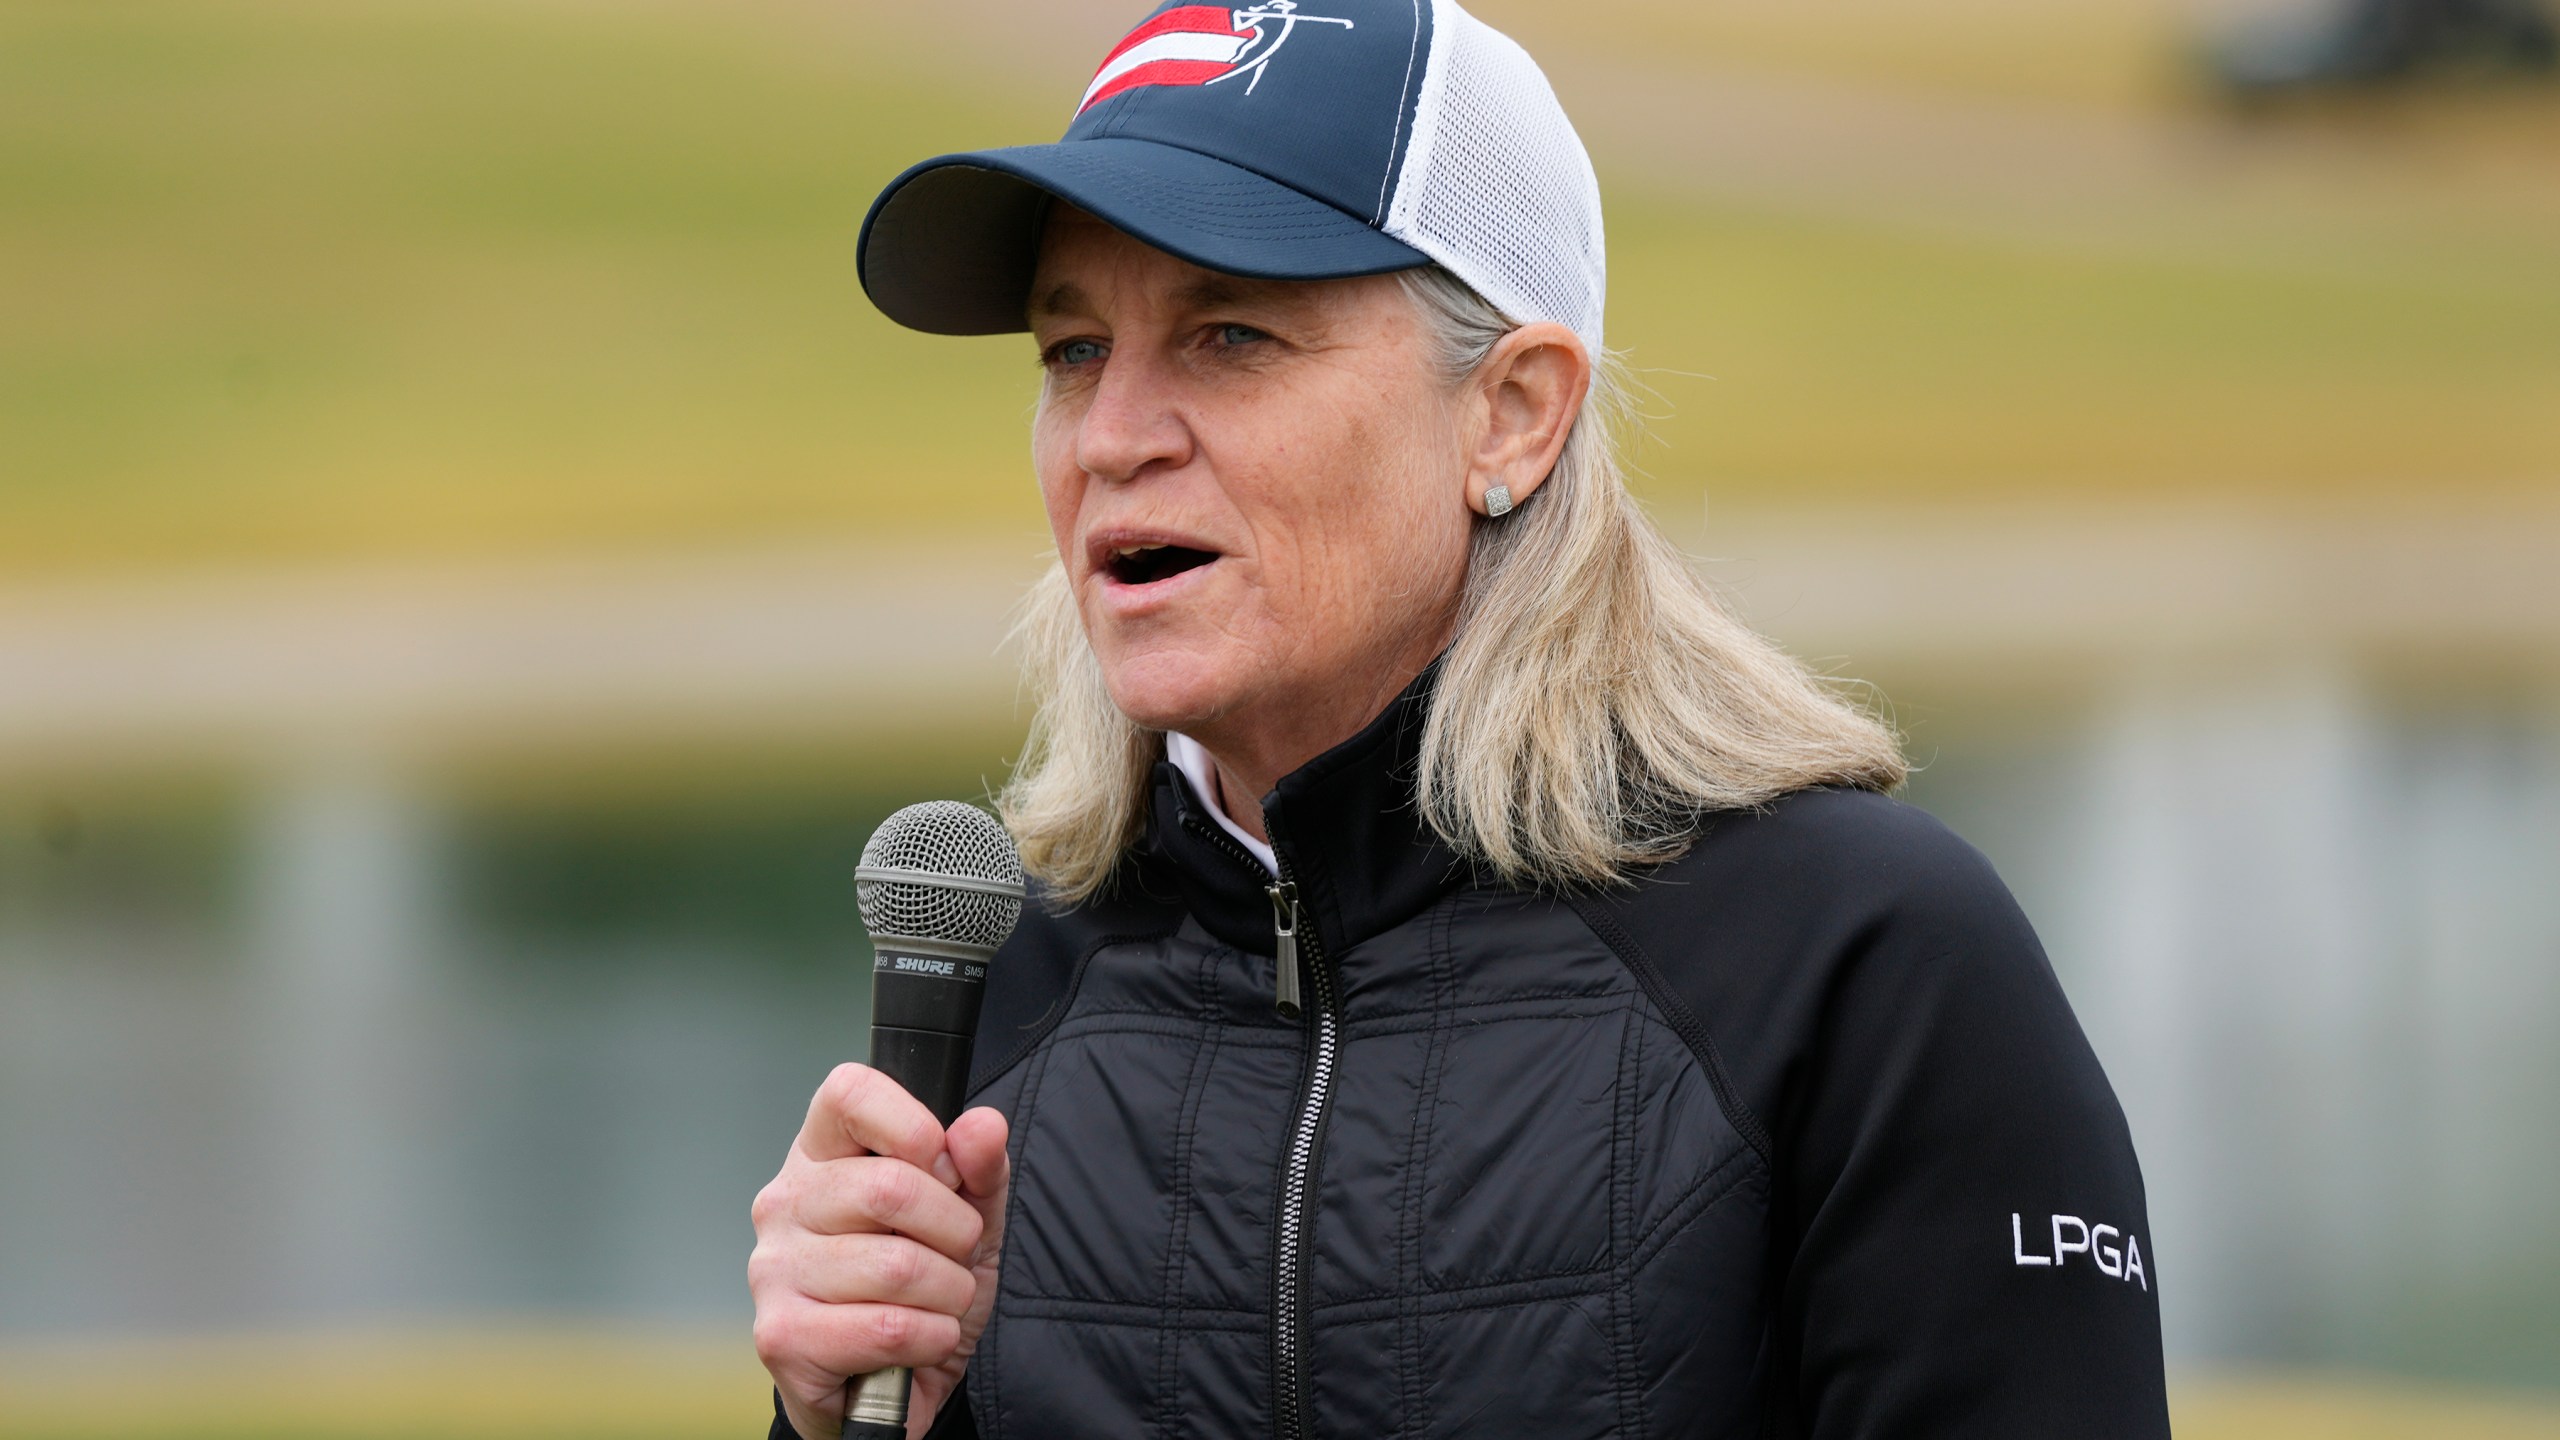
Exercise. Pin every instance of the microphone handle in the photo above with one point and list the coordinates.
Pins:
(933, 1066)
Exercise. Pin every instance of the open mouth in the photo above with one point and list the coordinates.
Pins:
(1147, 564)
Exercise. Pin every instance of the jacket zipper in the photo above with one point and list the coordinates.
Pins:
(1284, 952)
(1297, 952)
(1289, 1309)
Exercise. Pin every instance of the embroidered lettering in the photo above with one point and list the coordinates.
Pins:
(2070, 1235)
(2075, 1247)
(2110, 1259)
(2018, 1243)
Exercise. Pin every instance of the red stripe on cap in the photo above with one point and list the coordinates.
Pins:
(1161, 72)
(1209, 19)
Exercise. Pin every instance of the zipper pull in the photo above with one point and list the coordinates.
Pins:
(1284, 928)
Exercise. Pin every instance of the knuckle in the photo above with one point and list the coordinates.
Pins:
(840, 1083)
(776, 1338)
(771, 1203)
(902, 1269)
(888, 1188)
(762, 1263)
(856, 1085)
(924, 1133)
(893, 1328)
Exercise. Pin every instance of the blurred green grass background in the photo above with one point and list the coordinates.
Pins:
(283, 279)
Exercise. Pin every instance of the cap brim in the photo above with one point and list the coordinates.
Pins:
(949, 246)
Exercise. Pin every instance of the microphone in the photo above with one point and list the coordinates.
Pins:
(940, 885)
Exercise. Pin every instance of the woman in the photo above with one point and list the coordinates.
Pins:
(1478, 987)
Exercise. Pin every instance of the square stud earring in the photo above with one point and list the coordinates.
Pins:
(1497, 500)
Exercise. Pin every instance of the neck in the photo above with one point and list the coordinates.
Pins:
(1247, 813)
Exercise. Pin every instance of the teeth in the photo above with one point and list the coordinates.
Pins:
(1123, 552)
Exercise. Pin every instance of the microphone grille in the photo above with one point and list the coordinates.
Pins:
(941, 871)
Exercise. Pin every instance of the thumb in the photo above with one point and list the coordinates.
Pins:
(976, 1144)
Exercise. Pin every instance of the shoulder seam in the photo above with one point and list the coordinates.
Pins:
(1057, 1010)
(1683, 1020)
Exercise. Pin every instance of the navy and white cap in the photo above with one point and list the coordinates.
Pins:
(1288, 139)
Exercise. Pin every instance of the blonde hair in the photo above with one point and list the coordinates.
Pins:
(1596, 699)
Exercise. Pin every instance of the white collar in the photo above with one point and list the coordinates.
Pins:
(1197, 768)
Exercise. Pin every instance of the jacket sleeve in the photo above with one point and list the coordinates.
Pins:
(1959, 1241)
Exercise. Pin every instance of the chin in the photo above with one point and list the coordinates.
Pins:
(1169, 687)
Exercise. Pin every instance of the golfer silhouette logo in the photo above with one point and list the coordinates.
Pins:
(1200, 45)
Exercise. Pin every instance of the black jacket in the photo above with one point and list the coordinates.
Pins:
(1796, 1136)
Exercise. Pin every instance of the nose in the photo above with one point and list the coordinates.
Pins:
(1132, 425)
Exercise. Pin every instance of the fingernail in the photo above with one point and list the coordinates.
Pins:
(945, 1171)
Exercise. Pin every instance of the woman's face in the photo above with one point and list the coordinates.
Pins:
(1257, 487)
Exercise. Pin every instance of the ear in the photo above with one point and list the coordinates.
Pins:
(1525, 397)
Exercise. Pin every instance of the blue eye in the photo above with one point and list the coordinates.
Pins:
(1239, 335)
(1077, 352)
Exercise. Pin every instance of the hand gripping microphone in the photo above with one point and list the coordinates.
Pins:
(940, 886)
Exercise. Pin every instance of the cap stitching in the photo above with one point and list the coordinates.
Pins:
(1395, 122)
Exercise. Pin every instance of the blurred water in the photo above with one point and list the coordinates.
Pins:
(335, 1042)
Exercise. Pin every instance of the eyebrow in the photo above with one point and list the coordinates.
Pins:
(1221, 290)
(1060, 300)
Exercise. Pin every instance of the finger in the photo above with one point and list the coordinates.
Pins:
(976, 1146)
(823, 1416)
(811, 1348)
(860, 1111)
(883, 1269)
(874, 1193)
(837, 1341)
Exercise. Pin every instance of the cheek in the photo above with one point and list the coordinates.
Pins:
(1053, 464)
(1369, 516)
(1407, 502)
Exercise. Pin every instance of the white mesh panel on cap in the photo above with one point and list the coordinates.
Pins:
(1496, 185)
